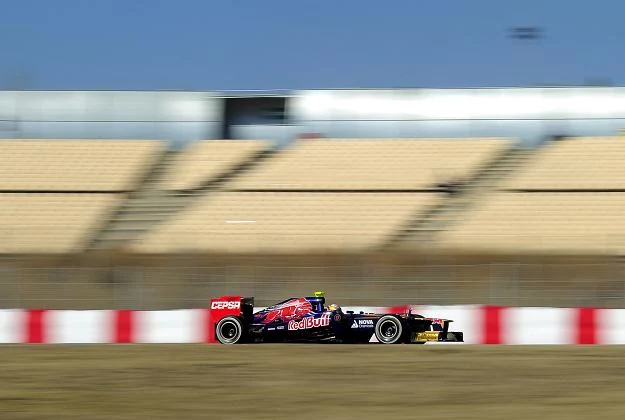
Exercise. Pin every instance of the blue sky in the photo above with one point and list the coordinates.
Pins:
(280, 44)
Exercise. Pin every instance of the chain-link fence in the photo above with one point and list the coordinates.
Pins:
(601, 285)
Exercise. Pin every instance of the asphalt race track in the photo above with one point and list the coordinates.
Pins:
(311, 382)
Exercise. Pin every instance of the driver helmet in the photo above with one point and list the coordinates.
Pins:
(334, 307)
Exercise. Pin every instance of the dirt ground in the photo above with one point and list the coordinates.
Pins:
(311, 382)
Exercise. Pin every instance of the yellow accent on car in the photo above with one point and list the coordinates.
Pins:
(427, 336)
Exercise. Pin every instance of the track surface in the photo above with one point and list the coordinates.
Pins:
(311, 382)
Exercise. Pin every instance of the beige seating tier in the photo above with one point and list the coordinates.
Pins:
(574, 163)
(285, 222)
(542, 222)
(75, 165)
(334, 164)
(206, 160)
(51, 223)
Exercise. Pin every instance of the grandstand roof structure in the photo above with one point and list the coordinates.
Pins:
(530, 114)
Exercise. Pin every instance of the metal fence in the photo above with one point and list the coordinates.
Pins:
(601, 285)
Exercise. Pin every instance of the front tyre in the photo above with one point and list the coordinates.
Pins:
(229, 330)
(389, 330)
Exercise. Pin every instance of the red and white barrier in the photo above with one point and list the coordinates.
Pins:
(73, 327)
(480, 324)
(11, 326)
(176, 326)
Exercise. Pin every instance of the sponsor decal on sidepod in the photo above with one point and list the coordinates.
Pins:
(363, 323)
(310, 322)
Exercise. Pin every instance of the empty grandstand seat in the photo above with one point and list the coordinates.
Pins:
(75, 165)
(593, 163)
(370, 164)
(51, 223)
(286, 222)
(564, 222)
(206, 160)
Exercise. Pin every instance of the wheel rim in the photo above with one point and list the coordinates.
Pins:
(388, 331)
(229, 332)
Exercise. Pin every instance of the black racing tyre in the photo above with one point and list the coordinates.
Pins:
(229, 330)
(389, 330)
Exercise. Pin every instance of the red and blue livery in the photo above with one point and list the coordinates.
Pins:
(308, 319)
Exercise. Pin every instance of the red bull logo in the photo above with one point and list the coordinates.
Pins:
(309, 322)
(294, 308)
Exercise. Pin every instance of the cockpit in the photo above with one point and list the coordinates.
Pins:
(318, 301)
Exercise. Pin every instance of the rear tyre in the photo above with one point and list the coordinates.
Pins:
(229, 330)
(389, 330)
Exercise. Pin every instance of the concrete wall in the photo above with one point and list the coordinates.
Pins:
(171, 282)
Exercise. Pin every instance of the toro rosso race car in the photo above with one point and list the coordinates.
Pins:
(307, 319)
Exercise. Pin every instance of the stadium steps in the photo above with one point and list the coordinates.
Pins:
(423, 228)
(150, 205)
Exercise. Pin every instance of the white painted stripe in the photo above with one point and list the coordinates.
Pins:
(611, 326)
(79, 326)
(12, 325)
(538, 326)
(173, 326)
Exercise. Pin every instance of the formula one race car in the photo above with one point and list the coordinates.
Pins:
(307, 319)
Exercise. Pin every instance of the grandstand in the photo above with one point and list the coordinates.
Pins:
(372, 164)
(325, 194)
(75, 165)
(39, 223)
(204, 161)
(539, 223)
(328, 214)
(315, 220)
(584, 163)
(401, 198)
(285, 222)
(569, 198)
(56, 194)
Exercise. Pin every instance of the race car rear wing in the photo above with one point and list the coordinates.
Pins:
(224, 306)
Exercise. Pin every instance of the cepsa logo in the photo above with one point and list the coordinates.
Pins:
(226, 305)
(309, 322)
